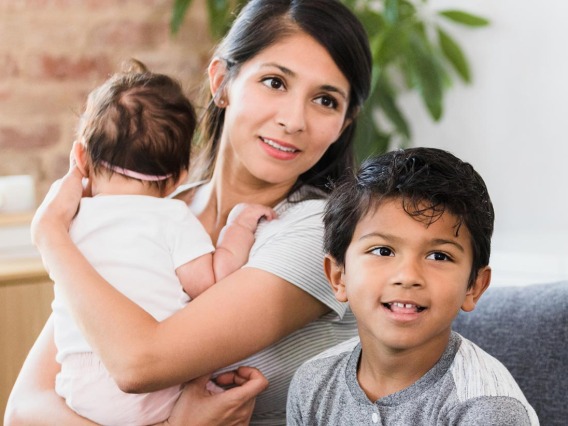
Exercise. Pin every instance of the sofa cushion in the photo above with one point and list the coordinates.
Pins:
(526, 328)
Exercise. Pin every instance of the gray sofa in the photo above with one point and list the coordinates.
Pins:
(526, 328)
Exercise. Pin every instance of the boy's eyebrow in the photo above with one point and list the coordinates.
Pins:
(289, 72)
(435, 241)
(441, 241)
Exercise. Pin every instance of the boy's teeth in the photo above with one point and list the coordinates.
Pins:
(399, 305)
(404, 305)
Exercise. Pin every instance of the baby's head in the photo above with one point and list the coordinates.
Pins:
(138, 124)
(428, 182)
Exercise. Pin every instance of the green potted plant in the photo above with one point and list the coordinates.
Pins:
(412, 50)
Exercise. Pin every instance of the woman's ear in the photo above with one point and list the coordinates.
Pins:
(477, 289)
(80, 156)
(217, 71)
(335, 274)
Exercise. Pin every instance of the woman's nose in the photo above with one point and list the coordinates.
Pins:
(292, 117)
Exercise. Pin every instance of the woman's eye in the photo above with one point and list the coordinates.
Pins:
(382, 251)
(273, 83)
(439, 256)
(327, 101)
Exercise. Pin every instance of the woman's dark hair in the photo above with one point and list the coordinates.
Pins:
(262, 23)
(140, 121)
(429, 182)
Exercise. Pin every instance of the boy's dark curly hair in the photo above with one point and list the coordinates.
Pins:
(428, 181)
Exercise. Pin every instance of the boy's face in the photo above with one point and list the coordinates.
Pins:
(406, 281)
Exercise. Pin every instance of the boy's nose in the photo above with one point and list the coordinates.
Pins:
(409, 274)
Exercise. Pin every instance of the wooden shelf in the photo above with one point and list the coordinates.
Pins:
(14, 219)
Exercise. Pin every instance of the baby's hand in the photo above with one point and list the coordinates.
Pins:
(248, 215)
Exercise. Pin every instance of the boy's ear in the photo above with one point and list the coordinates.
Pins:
(479, 286)
(80, 156)
(217, 71)
(335, 274)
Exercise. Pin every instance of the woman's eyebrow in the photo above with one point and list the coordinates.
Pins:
(289, 72)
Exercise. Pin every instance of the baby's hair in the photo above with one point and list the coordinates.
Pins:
(139, 121)
(429, 182)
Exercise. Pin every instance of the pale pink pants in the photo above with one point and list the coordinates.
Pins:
(90, 391)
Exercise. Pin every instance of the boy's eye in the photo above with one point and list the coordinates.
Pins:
(327, 101)
(273, 83)
(382, 251)
(438, 256)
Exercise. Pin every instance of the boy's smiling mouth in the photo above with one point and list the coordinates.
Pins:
(402, 307)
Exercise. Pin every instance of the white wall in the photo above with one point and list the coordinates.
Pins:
(512, 125)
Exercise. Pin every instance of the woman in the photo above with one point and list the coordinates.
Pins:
(286, 85)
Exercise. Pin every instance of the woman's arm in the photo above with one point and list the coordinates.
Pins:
(33, 399)
(245, 312)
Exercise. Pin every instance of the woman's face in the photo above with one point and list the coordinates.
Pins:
(284, 108)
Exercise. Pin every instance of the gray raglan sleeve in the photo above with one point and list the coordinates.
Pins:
(294, 403)
(490, 410)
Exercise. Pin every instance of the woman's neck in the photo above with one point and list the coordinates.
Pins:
(213, 201)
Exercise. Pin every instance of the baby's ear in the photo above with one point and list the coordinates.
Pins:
(335, 275)
(171, 186)
(477, 289)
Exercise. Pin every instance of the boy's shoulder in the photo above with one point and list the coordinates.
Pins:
(482, 380)
(476, 373)
(467, 384)
(327, 362)
(320, 386)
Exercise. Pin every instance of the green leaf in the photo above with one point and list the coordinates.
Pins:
(219, 12)
(373, 22)
(391, 11)
(428, 76)
(454, 54)
(387, 46)
(178, 13)
(369, 139)
(386, 99)
(464, 18)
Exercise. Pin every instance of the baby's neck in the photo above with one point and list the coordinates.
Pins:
(120, 185)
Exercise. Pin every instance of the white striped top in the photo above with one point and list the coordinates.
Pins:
(291, 247)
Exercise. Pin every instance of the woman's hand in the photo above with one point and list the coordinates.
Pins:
(203, 404)
(59, 206)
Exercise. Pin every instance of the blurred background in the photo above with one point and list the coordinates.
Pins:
(509, 122)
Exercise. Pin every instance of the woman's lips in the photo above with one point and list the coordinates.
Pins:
(279, 150)
(279, 145)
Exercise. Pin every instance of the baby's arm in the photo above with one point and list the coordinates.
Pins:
(197, 275)
(237, 237)
(233, 246)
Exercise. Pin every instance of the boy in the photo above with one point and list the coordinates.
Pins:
(408, 244)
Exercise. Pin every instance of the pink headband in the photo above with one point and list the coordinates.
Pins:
(133, 174)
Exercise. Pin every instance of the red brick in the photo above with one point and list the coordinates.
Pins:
(88, 4)
(25, 138)
(8, 66)
(68, 68)
(128, 34)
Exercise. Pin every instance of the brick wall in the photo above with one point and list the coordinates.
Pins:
(54, 52)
